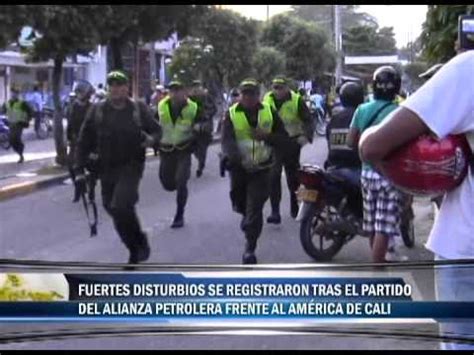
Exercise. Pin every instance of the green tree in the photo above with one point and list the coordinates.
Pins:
(368, 40)
(122, 25)
(220, 51)
(323, 15)
(266, 63)
(440, 31)
(305, 45)
(64, 31)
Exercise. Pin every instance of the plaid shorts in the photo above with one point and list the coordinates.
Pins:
(382, 205)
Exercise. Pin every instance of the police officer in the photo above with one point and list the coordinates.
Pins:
(340, 155)
(296, 118)
(19, 115)
(206, 105)
(251, 130)
(181, 122)
(75, 115)
(119, 130)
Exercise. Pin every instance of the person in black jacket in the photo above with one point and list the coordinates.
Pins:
(75, 115)
(118, 130)
(200, 96)
(340, 156)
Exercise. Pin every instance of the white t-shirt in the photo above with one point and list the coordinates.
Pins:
(446, 104)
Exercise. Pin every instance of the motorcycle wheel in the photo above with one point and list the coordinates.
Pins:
(407, 228)
(308, 237)
(4, 141)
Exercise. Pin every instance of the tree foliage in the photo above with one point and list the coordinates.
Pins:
(12, 19)
(369, 40)
(63, 31)
(323, 16)
(266, 63)
(305, 46)
(122, 25)
(440, 31)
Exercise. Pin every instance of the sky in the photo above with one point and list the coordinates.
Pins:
(405, 19)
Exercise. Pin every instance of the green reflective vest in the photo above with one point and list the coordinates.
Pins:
(254, 153)
(288, 113)
(175, 134)
(16, 113)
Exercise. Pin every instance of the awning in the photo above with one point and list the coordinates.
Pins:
(16, 59)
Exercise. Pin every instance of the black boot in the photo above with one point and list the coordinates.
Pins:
(178, 221)
(249, 257)
(274, 218)
(22, 159)
(294, 207)
(143, 250)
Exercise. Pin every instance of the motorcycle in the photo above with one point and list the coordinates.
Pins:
(331, 213)
(4, 132)
(45, 125)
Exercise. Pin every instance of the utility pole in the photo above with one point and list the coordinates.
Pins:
(338, 43)
(268, 12)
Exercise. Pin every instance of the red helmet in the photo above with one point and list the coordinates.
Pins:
(429, 166)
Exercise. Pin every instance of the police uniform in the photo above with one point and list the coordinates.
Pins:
(298, 123)
(204, 138)
(249, 162)
(19, 115)
(117, 135)
(176, 146)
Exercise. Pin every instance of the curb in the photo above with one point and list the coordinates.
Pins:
(27, 187)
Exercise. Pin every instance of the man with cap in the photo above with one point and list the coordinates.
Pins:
(251, 130)
(206, 105)
(118, 130)
(296, 118)
(181, 121)
(19, 115)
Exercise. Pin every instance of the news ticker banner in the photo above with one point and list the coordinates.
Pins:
(168, 297)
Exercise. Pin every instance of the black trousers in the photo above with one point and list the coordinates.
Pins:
(290, 161)
(174, 173)
(200, 151)
(119, 196)
(248, 193)
(16, 131)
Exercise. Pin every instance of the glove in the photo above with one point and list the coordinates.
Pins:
(302, 140)
(148, 141)
(80, 185)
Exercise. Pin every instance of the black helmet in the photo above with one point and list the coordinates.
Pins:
(351, 94)
(84, 87)
(386, 83)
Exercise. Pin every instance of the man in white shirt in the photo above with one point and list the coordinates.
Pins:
(443, 106)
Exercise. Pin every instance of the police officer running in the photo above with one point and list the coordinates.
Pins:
(119, 130)
(251, 130)
(206, 105)
(296, 118)
(75, 115)
(19, 115)
(180, 121)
